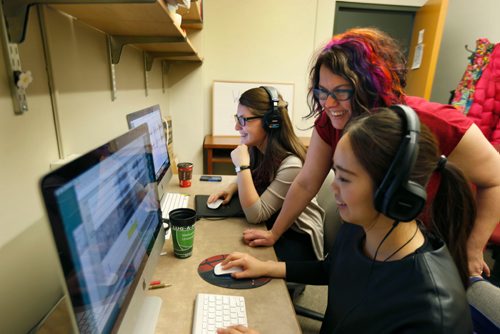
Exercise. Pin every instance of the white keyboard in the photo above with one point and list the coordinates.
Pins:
(218, 311)
(173, 201)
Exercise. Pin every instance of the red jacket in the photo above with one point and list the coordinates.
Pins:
(485, 108)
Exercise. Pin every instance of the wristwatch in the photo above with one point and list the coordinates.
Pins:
(240, 168)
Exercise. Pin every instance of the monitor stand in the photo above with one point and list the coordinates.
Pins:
(148, 317)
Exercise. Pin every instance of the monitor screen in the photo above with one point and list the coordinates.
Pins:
(152, 117)
(104, 213)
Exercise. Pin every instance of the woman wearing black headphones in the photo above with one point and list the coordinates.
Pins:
(267, 160)
(386, 273)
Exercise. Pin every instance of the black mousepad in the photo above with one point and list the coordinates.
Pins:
(232, 209)
(206, 271)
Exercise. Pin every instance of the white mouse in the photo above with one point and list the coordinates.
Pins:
(219, 271)
(216, 204)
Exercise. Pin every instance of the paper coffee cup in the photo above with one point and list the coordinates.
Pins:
(182, 223)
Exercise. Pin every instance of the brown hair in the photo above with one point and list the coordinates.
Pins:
(281, 142)
(375, 139)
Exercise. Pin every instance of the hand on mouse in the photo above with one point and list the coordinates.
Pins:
(226, 197)
(253, 267)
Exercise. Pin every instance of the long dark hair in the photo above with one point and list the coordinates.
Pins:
(370, 60)
(281, 142)
(375, 139)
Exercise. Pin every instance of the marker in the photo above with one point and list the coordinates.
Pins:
(155, 282)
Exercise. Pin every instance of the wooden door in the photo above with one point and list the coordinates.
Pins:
(430, 18)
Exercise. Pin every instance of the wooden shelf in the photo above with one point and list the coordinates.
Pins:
(135, 20)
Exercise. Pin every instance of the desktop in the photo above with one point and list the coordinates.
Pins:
(161, 161)
(106, 223)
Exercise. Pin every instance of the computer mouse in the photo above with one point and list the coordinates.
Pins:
(219, 271)
(216, 204)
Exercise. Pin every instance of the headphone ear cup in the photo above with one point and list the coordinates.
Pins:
(271, 120)
(405, 203)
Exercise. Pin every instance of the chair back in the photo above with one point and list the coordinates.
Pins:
(332, 220)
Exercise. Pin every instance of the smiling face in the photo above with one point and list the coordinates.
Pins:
(339, 112)
(352, 186)
(252, 134)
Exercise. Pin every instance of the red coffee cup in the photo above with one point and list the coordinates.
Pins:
(185, 170)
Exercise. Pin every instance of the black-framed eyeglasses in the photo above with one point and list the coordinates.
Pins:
(243, 120)
(339, 94)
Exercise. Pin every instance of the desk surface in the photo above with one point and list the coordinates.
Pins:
(269, 308)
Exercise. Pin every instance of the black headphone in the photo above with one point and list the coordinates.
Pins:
(272, 118)
(397, 197)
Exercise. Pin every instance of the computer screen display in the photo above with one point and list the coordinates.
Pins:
(104, 213)
(152, 117)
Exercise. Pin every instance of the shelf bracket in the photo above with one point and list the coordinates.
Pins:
(147, 60)
(16, 13)
(118, 42)
(13, 67)
(165, 67)
(112, 70)
(154, 55)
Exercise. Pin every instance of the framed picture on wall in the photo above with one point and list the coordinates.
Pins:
(225, 96)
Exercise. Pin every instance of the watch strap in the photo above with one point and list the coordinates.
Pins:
(240, 168)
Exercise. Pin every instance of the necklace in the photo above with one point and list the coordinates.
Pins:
(406, 243)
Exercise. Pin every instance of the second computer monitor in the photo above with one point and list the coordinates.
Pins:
(161, 160)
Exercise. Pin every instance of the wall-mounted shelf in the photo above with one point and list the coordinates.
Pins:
(146, 24)
(131, 21)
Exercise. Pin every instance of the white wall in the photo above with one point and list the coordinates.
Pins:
(465, 23)
(263, 41)
(28, 279)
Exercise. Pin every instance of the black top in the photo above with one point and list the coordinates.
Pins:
(421, 293)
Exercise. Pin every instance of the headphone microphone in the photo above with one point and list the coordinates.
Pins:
(272, 118)
(397, 197)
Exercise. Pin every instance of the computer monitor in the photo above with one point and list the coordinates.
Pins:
(152, 117)
(104, 214)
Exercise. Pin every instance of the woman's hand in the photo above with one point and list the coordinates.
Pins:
(240, 156)
(254, 237)
(238, 329)
(225, 195)
(251, 266)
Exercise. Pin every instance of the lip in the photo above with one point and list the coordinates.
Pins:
(336, 113)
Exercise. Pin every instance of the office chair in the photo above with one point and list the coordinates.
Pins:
(484, 303)
(331, 225)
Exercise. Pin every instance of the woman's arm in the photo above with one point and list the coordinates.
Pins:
(303, 189)
(480, 162)
(271, 200)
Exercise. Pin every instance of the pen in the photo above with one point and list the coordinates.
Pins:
(159, 286)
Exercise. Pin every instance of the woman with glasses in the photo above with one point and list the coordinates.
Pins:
(362, 69)
(267, 161)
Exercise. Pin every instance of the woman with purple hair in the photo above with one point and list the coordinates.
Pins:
(363, 69)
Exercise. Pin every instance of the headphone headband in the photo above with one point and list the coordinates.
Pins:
(272, 118)
(397, 197)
